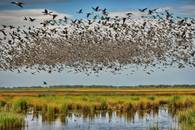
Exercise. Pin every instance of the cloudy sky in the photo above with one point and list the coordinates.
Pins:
(11, 14)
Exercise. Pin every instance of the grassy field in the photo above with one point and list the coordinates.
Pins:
(51, 101)
(96, 98)
(96, 91)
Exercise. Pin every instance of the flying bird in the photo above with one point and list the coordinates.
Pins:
(96, 9)
(46, 12)
(20, 4)
(25, 19)
(124, 19)
(54, 16)
(4, 26)
(80, 11)
(2, 30)
(32, 19)
(129, 14)
(88, 14)
(45, 83)
(143, 10)
(104, 12)
(168, 15)
(65, 19)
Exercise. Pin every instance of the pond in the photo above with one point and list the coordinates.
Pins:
(161, 119)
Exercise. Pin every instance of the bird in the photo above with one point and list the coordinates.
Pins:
(129, 14)
(88, 14)
(4, 26)
(44, 83)
(54, 16)
(143, 10)
(46, 12)
(32, 19)
(148, 73)
(124, 19)
(11, 27)
(96, 9)
(150, 12)
(20, 4)
(104, 12)
(25, 19)
(3, 31)
(45, 23)
(168, 15)
(95, 17)
(80, 11)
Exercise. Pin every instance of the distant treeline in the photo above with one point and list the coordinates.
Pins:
(101, 86)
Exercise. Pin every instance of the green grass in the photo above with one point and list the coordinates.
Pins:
(187, 119)
(11, 120)
(91, 100)
(154, 128)
(67, 103)
(20, 105)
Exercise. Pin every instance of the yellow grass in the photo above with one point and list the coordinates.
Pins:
(98, 91)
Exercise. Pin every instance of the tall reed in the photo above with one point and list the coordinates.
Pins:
(11, 120)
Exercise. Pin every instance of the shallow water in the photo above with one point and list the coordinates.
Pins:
(104, 121)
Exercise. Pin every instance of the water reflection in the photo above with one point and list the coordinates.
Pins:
(104, 120)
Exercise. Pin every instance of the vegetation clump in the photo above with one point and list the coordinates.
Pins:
(187, 119)
(11, 120)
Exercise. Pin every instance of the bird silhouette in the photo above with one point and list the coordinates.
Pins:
(3, 31)
(104, 12)
(20, 4)
(25, 19)
(46, 12)
(32, 19)
(88, 14)
(129, 14)
(143, 10)
(54, 16)
(4, 26)
(44, 83)
(80, 11)
(96, 9)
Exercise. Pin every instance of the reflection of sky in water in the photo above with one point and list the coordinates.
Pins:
(169, 76)
(162, 120)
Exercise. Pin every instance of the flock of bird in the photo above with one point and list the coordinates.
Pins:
(99, 41)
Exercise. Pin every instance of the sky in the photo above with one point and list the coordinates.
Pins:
(11, 14)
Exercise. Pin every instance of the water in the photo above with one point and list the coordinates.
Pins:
(141, 120)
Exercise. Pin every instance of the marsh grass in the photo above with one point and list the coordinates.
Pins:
(151, 98)
(187, 119)
(154, 128)
(91, 103)
(2, 103)
(20, 105)
(11, 120)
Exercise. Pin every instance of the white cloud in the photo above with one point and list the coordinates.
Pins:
(136, 13)
(123, 14)
(187, 10)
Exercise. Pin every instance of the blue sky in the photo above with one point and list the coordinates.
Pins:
(170, 76)
(70, 6)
